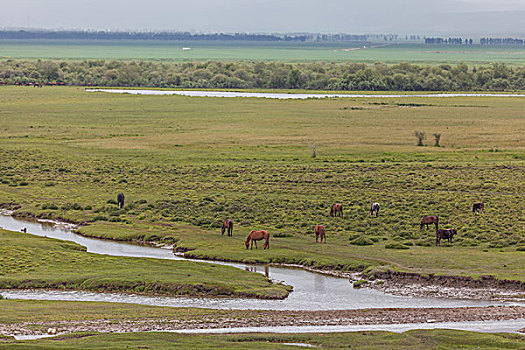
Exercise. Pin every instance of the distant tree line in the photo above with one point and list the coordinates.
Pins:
(265, 75)
(501, 41)
(180, 36)
(449, 41)
(187, 36)
(482, 41)
(163, 36)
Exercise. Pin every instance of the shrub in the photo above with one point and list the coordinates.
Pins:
(396, 246)
(50, 206)
(361, 241)
(358, 284)
(421, 136)
(437, 137)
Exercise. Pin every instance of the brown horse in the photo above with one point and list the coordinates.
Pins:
(320, 232)
(445, 234)
(120, 200)
(227, 224)
(478, 206)
(255, 236)
(336, 208)
(427, 220)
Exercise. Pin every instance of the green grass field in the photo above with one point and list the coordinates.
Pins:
(185, 164)
(35, 262)
(420, 339)
(227, 51)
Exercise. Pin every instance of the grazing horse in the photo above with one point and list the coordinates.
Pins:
(336, 208)
(478, 206)
(227, 224)
(255, 236)
(120, 200)
(374, 208)
(427, 220)
(320, 232)
(445, 234)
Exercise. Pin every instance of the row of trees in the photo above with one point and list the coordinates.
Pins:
(501, 41)
(123, 35)
(449, 41)
(266, 75)
(482, 41)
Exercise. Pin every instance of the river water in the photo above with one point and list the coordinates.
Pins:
(312, 291)
(286, 96)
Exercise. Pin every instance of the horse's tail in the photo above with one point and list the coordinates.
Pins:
(332, 210)
(223, 227)
(437, 222)
(474, 208)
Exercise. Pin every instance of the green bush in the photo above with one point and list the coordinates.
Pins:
(361, 241)
(396, 246)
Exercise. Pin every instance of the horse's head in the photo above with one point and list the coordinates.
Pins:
(247, 241)
(453, 232)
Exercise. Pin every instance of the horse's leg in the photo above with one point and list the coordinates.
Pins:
(255, 243)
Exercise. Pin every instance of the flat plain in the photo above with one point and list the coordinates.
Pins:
(389, 53)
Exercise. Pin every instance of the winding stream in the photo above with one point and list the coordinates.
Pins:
(287, 96)
(312, 291)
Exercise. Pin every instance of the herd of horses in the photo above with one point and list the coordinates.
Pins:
(320, 230)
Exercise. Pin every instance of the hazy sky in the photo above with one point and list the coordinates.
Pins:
(491, 17)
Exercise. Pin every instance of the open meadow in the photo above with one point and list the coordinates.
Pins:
(186, 164)
(419, 339)
(260, 51)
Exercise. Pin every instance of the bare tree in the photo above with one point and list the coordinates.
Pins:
(421, 136)
(437, 137)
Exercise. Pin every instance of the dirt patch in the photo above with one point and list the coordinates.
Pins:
(254, 318)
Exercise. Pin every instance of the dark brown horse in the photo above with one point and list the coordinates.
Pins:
(227, 224)
(336, 208)
(478, 207)
(120, 200)
(427, 220)
(255, 236)
(320, 232)
(445, 234)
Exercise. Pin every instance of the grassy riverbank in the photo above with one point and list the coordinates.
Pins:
(420, 339)
(34, 262)
(185, 164)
